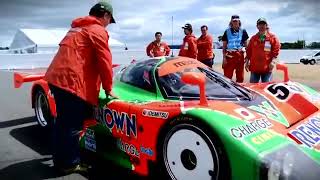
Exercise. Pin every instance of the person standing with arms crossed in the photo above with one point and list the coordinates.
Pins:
(158, 48)
(82, 63)
(204, 45)
(262, 52)
(234, 41)
(189, 45)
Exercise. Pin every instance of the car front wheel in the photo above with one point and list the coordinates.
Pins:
(42, 110)
(191, 152)
(312, 62)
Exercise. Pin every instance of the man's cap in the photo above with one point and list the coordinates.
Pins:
(104, 6)
(262, 20)
(187, 26)
(235, 17)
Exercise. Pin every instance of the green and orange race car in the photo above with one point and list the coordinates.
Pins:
(179, 117)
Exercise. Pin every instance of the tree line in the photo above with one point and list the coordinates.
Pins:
(300, 44)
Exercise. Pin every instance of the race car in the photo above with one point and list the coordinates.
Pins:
(175, 118)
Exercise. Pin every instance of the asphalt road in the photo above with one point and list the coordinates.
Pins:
(24, 146)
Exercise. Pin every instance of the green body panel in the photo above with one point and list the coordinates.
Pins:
(131, 93)
(239, 151)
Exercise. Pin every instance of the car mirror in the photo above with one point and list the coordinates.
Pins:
(284, 68)
(199, 79)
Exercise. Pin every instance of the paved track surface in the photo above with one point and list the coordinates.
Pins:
(24, 146)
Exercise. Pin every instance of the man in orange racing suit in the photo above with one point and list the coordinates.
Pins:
(81, 64)
(189, 45)
(262, 52)
(158, 48)
(204, 44)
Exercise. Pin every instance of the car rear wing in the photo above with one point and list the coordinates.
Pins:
(21, 77)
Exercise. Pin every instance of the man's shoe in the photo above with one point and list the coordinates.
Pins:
(76, 169)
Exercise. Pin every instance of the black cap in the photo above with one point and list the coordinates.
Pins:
(187, 26)
(235, 17)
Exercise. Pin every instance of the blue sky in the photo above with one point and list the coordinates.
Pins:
(138, 20)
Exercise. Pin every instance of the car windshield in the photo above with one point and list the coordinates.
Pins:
(217, 86)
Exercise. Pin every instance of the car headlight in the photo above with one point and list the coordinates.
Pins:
(288, 163)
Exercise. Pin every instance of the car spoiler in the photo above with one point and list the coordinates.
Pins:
(20, 78)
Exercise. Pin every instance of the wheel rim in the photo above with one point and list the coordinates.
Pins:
(188, 155)
(42, 109)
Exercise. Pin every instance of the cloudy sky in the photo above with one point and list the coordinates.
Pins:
(138, 20)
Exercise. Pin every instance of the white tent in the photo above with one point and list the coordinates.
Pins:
(43, 40)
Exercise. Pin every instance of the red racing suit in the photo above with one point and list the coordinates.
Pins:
(83, 60)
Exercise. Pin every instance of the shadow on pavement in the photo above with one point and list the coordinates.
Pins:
(34, 169)
(16, 122)
(39, 140)
(34, 137)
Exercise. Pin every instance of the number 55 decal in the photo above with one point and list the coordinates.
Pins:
(279, 91)
(283, 91)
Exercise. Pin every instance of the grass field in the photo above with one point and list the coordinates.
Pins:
(307, 74)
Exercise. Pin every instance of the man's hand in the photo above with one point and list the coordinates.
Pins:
(111, 95)
(247, 64)
(273, 64)
(224, 62)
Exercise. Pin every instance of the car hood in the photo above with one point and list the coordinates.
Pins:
(306, 57)
(266, 122)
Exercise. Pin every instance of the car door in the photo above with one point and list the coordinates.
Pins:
(317, 57)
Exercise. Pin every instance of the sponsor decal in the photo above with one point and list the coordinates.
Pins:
(262, 138)
(270, 112)
(283, 91)
(89, 140)
(128, 148)
(308, 133)
(155, 114)
(250, 128)
(147, 151)
(184, 63)
(120, 121)
(245, 113)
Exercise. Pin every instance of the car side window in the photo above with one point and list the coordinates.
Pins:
(140, 75)
(318, 54)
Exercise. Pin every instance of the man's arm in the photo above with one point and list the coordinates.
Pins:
(167, 49)
(148, 50)
(193, 50)
(224, 45)
(245, 38)
(275, 47)
(104, 58)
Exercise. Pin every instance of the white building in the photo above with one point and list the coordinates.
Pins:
(43, 41)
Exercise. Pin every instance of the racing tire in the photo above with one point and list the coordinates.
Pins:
(312, 62)
(42, 110)
(190, 151)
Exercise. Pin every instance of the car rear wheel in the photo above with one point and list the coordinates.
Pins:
(191, 152)
(312, 62)
(42, 110)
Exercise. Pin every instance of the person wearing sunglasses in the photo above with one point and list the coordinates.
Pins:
(234, 42)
